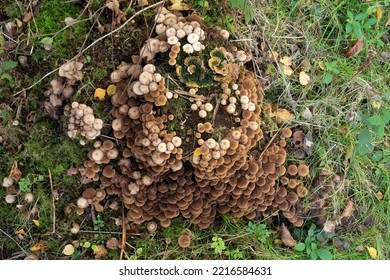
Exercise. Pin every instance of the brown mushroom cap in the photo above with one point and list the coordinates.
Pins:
(108, 171)
(303, 170)
(89, 193)
(286, 132)
(292, 169)
(184, 241)
(151, 226)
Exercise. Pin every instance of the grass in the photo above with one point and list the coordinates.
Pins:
(314, 31)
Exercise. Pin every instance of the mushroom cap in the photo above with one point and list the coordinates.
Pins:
(184, 241)
(303, 170)
(82, 203)
(7, 182)
(89, 193)
(108, 171)
(151, 226)
(28, 197)
(97, 155)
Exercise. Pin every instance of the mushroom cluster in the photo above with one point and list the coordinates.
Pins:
(193, 141)
(82, 122)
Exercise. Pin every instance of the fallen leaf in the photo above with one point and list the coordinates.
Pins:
(322, 66)
(298, 138)
(68, 250)
(286, 237)
(273, 56)
(282, 115)
(357, 47)
(100, 251)
(15, 173)
(37, 247)
(379, 195)
(178, 5)
(19, 23)
(36, 222)
(111, 89)
(373, 252)
(304, 79)
(308, 144)
(21, 231)
(341, 245)
(287, 70)
(379, 14)
(112, 243)
(278, 242)
(329, 227)
(99, 93)
(27, 17)
(286, 60)
(305, 65)
(306, 114)
(360, 248)
(348, 211)
(197, 152)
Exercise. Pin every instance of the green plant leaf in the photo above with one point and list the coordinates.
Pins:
(328, 77)
(364, 137)
(7, 76)
(350, 15)
(8, 65)
(300, 247)
(369, 23)
(324, 254)
(386, 117)
(348, 28)
(375, 120)
(377, 156)
(47, 40)
(87, 244)
(357, 29)
(313, 255)
(361, 16)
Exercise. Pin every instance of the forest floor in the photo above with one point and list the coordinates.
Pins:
(326, 62)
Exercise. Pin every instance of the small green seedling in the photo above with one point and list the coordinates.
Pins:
(218, 245)
(6, 66)
(259, 230)
(357, 23)
(331, 70)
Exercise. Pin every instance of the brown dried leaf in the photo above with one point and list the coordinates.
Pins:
(27, 17)
(286, 60)
(304, 79)
(286, 237)
(178, 5)
(15, 173)
(348, 211)
(329, 227)
(357, 47)
(283, 115)
(298, 138)
(341, 245)
(100, 251)
(287, 70)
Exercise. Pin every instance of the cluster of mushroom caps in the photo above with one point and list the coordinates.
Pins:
(82, 122)
(61, 87)
(227, 166)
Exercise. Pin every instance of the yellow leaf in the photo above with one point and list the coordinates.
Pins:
(100, 93)
(379, 195)
(37, 247)
(372, 251)
(178, 5)
(321, 64)
(287, 70)
(379, 14)
(282, 115)
(68, 250)
(286, 60)
(304, 79)
(36, 222)
(21, 231)
(197, 152)
(111, 90)
(376, 104)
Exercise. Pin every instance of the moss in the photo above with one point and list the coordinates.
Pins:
(50, 20)
(12, 9)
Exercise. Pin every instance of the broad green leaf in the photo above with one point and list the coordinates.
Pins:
(87, 244)
(377, 156)
(8, 64)
(300, 247)
(313, 246)
(350, 15)
(336, 71)
(7, 76)
(313, 255)
(364, 136)
(380, 131)
(324, 254)
(328, 78)
(357, 29)
(361, 16)
(47, 40)
(375, 120)
(370, 22)
(386, 117)
(348, 28)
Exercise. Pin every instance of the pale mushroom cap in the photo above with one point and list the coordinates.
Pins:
(187, 48)
(172, 40)
(149, 68)
(97, 155)
(180, 34)
(224, 144)
(10, 198)
(211, 143)
(193, 38)
(202, 113)
(88, 119)
(231, 108)
(176, 141)
(162, 147)
(208, 107)
(194, 107)
(145, 78)
(170, 32)
(169, 95)
(7, 182)
(244, 99)
(82, 203)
